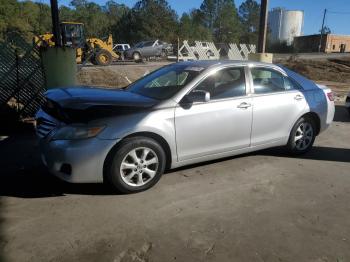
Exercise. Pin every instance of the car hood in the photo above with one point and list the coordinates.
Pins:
(84, 97)
(82, 104)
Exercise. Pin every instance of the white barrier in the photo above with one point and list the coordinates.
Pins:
(208, 51)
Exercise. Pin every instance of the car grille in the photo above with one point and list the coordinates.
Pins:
(44, 127)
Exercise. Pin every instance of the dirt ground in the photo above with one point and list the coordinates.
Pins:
(264, 206)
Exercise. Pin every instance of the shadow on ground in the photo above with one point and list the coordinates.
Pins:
(2, 239)
(23, 175)
(316, 153)
(341, 114)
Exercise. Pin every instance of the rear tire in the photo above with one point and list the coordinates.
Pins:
(302, 136)
(164, 53)
(135, 165)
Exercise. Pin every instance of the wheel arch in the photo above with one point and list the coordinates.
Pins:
(314, 116)
(161, 140)
(137, 52)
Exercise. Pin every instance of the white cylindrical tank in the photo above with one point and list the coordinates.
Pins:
(284, 25)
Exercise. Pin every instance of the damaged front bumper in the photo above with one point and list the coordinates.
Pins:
(75, 161)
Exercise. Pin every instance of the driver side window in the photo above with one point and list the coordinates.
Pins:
(225, 83)
(148, 44)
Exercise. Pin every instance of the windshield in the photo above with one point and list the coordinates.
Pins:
(165, 82)
(139, 44)
(73, 34)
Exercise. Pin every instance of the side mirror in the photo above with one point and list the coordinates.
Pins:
(198, 96)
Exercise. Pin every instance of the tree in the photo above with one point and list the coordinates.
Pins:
(221, 18)
(227, 27)
(191, 27)
(115, 12)
(66, 13)
(91, 15)
(148, 19)
(209, 13)
(215, 20)
(26, 18)
(249, 12)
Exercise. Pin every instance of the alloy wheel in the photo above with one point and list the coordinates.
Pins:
(303, 136)
(139, 166)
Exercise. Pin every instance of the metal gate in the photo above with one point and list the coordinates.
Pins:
(22, 79)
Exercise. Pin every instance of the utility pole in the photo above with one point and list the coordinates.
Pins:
(55, 23)
(322, 30)
(263, 26)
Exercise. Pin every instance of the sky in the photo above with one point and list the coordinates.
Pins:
(337, 18)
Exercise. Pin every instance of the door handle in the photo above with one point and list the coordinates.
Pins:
(298, 97)
(244, 105)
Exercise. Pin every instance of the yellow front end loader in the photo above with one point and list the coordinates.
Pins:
(95, 50)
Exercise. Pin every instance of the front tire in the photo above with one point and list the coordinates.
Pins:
(302, 136)
(137, 57)
(135, 165)
(103, 57)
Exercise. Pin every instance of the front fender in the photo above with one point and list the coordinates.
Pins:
(160, 122)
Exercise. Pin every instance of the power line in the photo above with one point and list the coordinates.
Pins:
(338, 12)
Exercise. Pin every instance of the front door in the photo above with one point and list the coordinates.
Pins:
(148, 49)
(220, 125)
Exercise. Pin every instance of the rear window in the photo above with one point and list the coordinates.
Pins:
(267, 81)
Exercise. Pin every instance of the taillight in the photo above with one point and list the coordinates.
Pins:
(330, 96)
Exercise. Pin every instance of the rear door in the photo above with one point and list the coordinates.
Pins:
(277, 103)
(219, 125)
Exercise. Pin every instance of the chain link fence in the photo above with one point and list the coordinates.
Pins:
(22, 79)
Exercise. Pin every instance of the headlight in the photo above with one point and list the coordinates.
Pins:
(77, 132)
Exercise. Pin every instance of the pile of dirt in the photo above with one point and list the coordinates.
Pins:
(336, 70)
(334, 73)
(115, 76)
(101, 76)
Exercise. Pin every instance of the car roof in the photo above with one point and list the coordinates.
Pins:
(218, 63)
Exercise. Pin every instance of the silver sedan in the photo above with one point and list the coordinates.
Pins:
(181, 114)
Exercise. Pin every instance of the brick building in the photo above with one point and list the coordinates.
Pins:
(330, 43)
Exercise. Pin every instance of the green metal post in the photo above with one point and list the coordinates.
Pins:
(60, 66)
